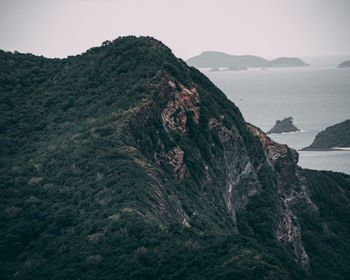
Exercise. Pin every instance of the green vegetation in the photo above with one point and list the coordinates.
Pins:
(87, 191)
(337, 135)
(326, 238)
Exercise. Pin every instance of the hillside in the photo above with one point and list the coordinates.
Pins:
(344, 64)
(210, 59)
(337, 135)
(125, 163)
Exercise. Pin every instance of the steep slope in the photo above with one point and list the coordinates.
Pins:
(335, 136)
(285, 125)
(125, 163)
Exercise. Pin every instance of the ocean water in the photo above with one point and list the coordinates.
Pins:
(315, 96)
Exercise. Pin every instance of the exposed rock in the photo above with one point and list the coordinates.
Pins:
(285, 125)
(33, 180)
(114, 217)
(175, 159)
(293, 192)
(237, 167)
(174, 115)
(274, 150)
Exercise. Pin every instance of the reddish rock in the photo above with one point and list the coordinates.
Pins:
(174, 115)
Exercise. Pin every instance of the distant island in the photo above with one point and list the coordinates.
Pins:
(332, 138)
(345, 64)
(287, 62)
(285, 125)
(214, 60)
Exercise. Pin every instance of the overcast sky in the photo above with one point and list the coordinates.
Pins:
(269, 28)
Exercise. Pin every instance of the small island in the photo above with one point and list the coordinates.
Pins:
(335, 137)
(287, 62)
(345, 64)
(285, 125)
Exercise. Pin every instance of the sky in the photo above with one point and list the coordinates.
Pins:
(268, 28)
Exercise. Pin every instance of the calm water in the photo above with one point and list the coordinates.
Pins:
(316, 97)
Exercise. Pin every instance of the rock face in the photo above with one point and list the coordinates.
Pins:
(148, 171)
(344, 64)
(285, 125)
(292, 189)
(335, 136)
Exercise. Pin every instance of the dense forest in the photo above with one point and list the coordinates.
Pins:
(125, 163)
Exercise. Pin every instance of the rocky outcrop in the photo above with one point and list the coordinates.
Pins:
(174, 158)
(181, 102)
(285, 125)
(274, 151)
(241, 181)
(293, 192)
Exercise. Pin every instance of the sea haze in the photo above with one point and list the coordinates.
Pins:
(316, 97)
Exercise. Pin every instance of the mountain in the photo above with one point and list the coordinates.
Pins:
(337, 135)
(210, 59)
(285, 125)
(344, 64)
(125, 163)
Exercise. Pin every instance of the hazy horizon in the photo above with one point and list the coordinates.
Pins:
(267, 28)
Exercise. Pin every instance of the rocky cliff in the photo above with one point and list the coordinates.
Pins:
(125, 163)
(285, 125)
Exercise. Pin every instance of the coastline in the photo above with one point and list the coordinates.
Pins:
(325, 149)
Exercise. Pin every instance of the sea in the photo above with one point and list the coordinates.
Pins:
(316, 96)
